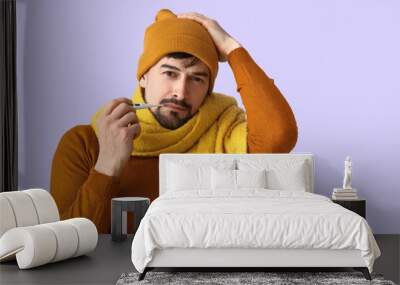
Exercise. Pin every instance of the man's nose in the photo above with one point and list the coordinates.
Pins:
(180, 88)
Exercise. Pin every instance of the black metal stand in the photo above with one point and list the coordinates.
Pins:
(364, 271)
(143, 274)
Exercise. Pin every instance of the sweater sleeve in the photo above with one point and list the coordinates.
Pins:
(270, 121)
(78, 189)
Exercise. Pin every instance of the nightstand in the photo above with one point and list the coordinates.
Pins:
(119, 208)
(357, 206)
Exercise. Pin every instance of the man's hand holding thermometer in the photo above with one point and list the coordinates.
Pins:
(117, 127)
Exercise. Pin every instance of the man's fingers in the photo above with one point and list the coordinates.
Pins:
(128, 118)
(119, 111)
(206, 22)
(114, 103)
(135, 129)
(194, 16)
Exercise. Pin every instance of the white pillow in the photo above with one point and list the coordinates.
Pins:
(236, 179)
(223, 179)
(290, 179)
(251, 178)
(181, 177)
(281, 174)
(189, 174)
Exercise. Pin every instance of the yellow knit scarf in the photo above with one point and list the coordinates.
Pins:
(219, 126)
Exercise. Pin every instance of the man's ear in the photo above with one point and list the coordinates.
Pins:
(143, 81)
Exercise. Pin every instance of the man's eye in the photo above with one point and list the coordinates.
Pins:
(170, 73)
(197, 79)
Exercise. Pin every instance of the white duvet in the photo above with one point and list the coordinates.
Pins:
(251, 218)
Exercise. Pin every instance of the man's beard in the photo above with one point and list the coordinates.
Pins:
(173, 121)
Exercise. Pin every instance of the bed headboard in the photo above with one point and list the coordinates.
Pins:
(210, 157)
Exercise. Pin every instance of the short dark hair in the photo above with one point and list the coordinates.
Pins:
(183, 55)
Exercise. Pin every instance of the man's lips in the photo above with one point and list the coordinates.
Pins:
(174, 106)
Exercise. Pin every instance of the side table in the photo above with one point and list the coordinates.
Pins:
(357, 206)
(119, 207)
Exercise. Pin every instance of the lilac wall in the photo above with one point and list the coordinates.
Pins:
(336, 62)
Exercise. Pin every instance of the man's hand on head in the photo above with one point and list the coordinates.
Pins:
(223, 41)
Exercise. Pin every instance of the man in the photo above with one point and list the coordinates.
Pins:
(117, 154)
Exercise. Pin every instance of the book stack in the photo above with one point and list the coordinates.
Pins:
(344, 194)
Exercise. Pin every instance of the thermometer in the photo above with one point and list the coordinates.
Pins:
(138, 106)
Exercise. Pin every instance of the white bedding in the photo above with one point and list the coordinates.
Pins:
(250, 218)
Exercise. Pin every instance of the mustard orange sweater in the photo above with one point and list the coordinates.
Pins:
(80, 191)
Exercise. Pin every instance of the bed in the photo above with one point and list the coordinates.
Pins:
(247, 211)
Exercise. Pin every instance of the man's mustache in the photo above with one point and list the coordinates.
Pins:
(177, 102)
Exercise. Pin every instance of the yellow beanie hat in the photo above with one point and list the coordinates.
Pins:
(170, 34)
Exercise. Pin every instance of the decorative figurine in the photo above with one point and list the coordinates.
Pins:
(347, 173)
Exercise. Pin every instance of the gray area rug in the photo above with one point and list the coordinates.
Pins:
(284, 278)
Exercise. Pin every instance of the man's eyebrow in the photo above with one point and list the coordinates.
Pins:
(198, 73)
(170, 66)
